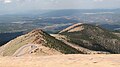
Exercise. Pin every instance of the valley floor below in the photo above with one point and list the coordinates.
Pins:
(71, 60)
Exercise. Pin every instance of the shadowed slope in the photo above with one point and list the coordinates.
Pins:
(93, 37)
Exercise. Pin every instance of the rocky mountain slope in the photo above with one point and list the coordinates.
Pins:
(37, 42)
(92, 37)
(76, 39)
(76, 46)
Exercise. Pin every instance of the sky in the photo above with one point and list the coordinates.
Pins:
(26, 5)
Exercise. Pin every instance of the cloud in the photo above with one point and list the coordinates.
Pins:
(98, 0)
(11, 1)
(7, 1)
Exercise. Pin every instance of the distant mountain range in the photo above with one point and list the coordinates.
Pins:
(78, 12)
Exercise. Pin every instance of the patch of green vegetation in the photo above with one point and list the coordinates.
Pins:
(116, 31)
(94, 37)
(59, 45)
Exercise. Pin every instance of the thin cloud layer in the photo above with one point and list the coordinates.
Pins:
(98, 0)
(20, 5)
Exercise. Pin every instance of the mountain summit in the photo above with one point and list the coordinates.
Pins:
(73, 28)
(36, 42)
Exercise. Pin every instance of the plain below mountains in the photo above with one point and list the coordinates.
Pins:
(76, 39)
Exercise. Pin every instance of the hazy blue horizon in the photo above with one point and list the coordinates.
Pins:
(16, 6)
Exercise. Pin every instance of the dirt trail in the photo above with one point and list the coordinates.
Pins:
(25, 49)
(62, 61)
(81, 49)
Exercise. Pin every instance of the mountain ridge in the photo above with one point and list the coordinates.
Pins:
(39, 37)
(77, 39)
(94, 38)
